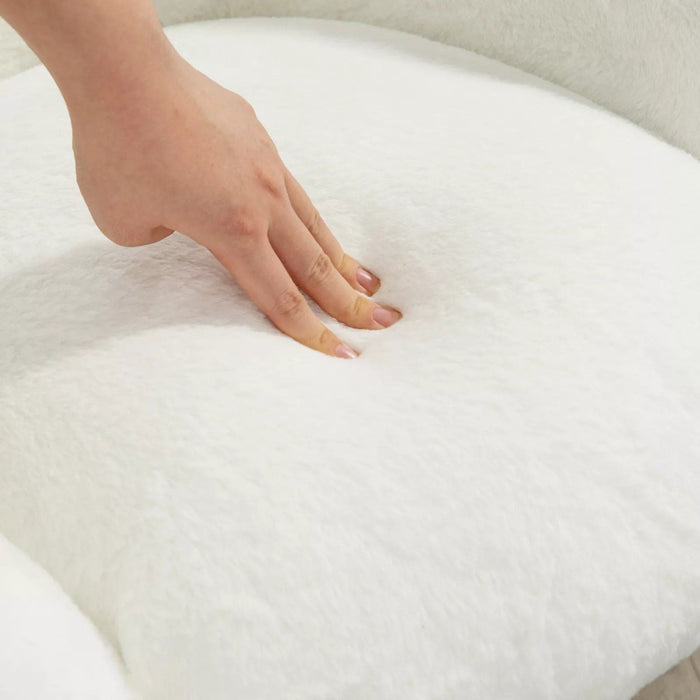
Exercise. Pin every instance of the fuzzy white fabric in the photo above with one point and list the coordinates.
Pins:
(48, 648)
(639, 58)
(497, 500)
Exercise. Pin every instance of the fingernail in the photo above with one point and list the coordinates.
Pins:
(343, 350)
(369, 281)
(385, 316)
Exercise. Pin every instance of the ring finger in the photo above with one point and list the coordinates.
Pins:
(311, 268)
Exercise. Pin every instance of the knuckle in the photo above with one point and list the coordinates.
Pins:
(343, 261)
(245, 225)
(241, 103)
(321, 268)
(247, 107)
(289, 304)
(270, 181)
(326, 338)
(314, 220)
(357, 307)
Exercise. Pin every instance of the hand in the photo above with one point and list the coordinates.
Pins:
(176, 151)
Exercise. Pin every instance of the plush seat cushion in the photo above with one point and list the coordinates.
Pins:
(498, 499)
(642, 64)
(48, 649)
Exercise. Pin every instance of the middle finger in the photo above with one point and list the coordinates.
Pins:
(312, 270)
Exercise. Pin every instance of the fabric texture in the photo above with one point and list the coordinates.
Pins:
(497, 500)
(640, 59)
(48, 648)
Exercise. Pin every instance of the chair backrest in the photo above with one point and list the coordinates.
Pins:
(642, 63)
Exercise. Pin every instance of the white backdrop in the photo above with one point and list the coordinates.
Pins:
(639, 58)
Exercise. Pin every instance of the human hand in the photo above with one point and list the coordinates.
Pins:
(176, 151)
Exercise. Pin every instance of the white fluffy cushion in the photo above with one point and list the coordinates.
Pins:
(638, 58)
(48, 648)
(498, 499)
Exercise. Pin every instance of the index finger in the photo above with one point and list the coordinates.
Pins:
(263, 277)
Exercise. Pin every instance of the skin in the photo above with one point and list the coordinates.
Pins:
(159, 147)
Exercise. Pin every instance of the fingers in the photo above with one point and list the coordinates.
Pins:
(311, 268)
(357, 277)
(262, 276)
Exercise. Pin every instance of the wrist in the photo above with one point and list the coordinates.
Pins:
(97, 52)
(123, 83)
(123, 65)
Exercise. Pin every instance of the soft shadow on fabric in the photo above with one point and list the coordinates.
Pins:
(101, 291)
